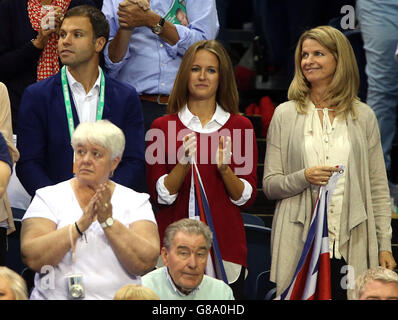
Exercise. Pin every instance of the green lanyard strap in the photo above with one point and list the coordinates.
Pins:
(68, 105)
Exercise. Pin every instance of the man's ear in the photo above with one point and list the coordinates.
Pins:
(100, 44)
(164, 253)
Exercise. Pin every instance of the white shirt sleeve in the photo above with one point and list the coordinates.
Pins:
(246, 194)
(164, 196)
(41, 208)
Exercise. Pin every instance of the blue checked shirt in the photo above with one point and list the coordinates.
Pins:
(150, 64)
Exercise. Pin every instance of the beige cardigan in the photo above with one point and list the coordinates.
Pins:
(6, 130)
(366, 214)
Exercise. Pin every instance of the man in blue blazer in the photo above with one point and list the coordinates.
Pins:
(52, 108)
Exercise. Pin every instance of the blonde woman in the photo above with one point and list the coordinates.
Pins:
(323, 125)
(135, 292)
(12, 285)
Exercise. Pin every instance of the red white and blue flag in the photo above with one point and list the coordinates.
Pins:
(199, 209)
(311, 280)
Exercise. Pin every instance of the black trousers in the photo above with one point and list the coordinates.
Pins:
(338, 272)
(152, 111)
(3, 246)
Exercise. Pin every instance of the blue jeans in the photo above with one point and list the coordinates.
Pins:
(378, 21)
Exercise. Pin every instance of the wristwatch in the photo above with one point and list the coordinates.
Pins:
(157, 29)
(107, 223)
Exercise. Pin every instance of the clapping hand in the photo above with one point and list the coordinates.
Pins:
(224, 153)
(99, 207)
(189, 147)
(143, 4)
(103, 206)
(132, 13)
(89, 215)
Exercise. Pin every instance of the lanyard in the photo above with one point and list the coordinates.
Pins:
(68, 105)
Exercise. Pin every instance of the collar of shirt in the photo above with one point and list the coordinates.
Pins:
(220, 117)
(86, 104)
(313, 120)
(77, 87)
(168, 276)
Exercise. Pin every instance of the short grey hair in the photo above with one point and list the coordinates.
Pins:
(103, 133)
(16, 282)
(187, 226)
(378, 273)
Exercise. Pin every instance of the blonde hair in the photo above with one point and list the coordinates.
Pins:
(103, 133)
(227, 92)
(343, 89)
(378, 273)
(16, 282)
(135, 292)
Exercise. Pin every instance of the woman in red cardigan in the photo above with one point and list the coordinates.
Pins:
(203, 125)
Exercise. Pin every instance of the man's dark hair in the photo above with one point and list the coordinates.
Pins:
(97, 18)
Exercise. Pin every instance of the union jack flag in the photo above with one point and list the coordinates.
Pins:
(199, 209)
(311, 280)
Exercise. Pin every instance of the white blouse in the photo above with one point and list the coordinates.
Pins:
(327, 144)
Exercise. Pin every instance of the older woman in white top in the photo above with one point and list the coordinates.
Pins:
(324, 125)
(88, 236)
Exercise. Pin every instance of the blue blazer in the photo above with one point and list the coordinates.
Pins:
(43, 140)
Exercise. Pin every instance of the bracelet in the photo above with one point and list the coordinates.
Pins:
(73, 248)
(78, 230)
(80, 233)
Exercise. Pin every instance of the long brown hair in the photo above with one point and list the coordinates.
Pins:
(343, 89)
(227, 93)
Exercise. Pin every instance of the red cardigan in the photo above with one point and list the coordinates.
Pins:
(227, 219)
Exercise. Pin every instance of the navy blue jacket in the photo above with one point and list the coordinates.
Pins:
(46, 154)
(18, 56)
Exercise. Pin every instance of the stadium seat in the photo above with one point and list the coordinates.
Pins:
(265, 289)
(258, 251)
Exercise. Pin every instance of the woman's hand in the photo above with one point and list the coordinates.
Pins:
(223, 153)
(49, 24)
(319, 175)
(174, 180)
(103, 206)
(189, 144)
(387, 260)
(89, 215)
